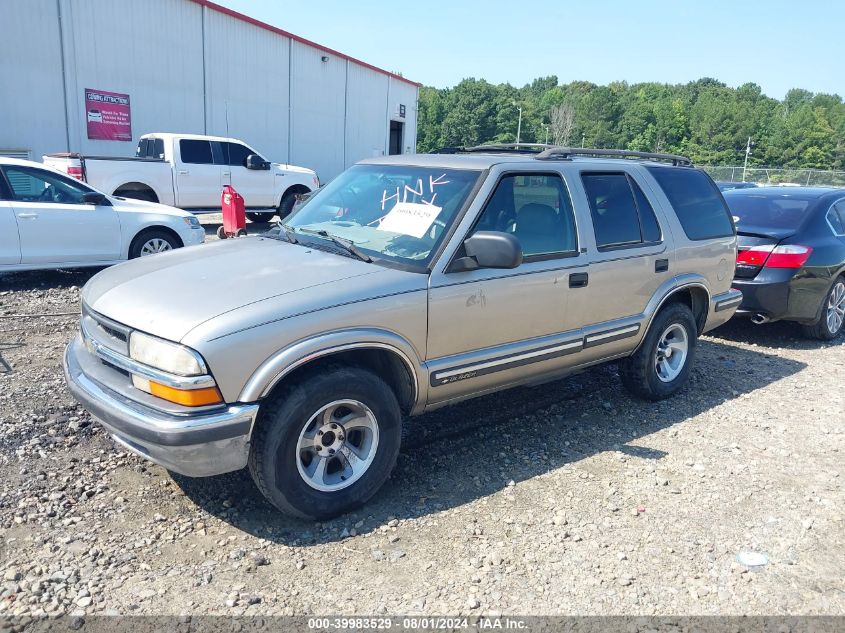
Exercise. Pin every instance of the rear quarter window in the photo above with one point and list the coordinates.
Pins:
(696, 200)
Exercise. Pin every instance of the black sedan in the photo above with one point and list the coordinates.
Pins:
(791, 256)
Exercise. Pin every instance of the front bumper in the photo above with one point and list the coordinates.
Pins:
(193, 236)
(201, 445)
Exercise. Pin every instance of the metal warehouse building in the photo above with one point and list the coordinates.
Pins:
(191, 66)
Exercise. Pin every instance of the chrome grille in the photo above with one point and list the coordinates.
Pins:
(108, 333)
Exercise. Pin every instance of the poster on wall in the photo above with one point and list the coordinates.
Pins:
(108, 115)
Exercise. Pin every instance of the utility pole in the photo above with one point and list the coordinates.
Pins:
(747, 154)
(583, 139)
(519, 125)
(547, 135)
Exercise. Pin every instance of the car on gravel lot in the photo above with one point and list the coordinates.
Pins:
(48, 220)
(405, 284)
(791, 256)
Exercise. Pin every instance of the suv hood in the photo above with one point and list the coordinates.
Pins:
(170, 294)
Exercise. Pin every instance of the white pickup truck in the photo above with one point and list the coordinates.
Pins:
(189, 171)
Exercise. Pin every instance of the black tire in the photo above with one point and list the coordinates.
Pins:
(821, 330)
(221, 233)
(286, 205)
(240, 233)
(273, 454)
(260, 217)
(639, 371)
(152, 234)
(147, 195)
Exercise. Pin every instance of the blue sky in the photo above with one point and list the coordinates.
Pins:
(774, 43)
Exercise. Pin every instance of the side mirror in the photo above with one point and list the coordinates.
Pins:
(489, 249)
(94, 197)
(254, 161)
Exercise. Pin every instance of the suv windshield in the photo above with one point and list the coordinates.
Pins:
(394, 212)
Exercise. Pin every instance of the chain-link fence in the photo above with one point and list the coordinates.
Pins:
(777, 176)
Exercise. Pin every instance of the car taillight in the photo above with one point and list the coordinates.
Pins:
(75, 172)
(771, 256)
(755, 256)
(789, 256)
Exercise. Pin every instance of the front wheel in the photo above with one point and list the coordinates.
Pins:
(661, 365)
(829, 326)
(325, 445)
(152, 242)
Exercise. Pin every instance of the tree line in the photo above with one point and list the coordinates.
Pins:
(704, 119)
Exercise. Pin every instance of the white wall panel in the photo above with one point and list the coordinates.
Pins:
(366, 107)
(150, 50)
(32, 115)
(317, 112)
(247, 74)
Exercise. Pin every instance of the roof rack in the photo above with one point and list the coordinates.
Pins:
(564, 153)
(515, 148)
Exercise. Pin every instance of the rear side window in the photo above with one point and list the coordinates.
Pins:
(622, 215)
(235, 154)
(836, 218)
(157, 146)
(196, 152)
(696, 200)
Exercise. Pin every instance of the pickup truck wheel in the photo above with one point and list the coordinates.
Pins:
(661, 365)
(286, 205)
(260, 217)
(152, 242)
(326, 444)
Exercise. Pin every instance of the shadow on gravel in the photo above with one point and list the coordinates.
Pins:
(458, 454)
(781, 334)
(46, 279)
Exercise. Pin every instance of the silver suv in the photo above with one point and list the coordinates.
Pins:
(405, 284)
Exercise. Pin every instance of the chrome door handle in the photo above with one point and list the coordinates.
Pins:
(227, 173)
(184, 172)
(27, 215)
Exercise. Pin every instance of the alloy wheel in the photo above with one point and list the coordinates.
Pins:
(836, 308)
(155, 245)
(337, 445)
(672, 351)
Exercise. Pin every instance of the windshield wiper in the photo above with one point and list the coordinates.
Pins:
(347, 245)
(289, 233)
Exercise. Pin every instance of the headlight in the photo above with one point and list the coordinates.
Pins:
(176, 359)
(192, 221)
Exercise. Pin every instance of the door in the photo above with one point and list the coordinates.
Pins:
(629, 260)
(396, 134)
(255, 185)
(199, 181)
(10, 248)
(55, 225)
(491, 327)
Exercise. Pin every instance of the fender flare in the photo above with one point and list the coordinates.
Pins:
(283, 362)
(665, 291)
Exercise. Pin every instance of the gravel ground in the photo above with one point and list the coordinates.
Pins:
(569, 498)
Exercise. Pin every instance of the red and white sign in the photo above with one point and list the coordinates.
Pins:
(108, 115)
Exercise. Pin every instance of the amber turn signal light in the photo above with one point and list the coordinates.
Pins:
(187, 397)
